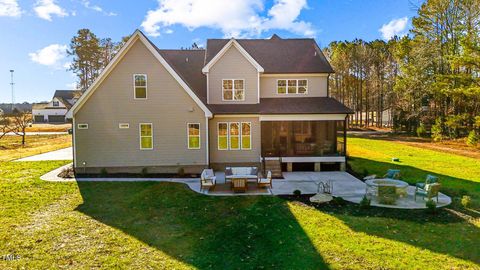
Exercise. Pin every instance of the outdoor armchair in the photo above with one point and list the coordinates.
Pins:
(429, 180)
(430, 191)
(392, 174)
(265, 182)
(207, 179)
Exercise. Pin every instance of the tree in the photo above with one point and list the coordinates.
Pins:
(87, 57)
(21, 120)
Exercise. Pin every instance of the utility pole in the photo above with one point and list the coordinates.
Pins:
(13, 94)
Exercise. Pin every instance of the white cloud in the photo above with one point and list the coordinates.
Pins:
(10, 8)
(395, 27)
(96, 8)
(72, 85)
(46, 8)
(235, 18)
(51, 56)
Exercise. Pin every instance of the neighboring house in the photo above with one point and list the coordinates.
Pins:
(238, 102)
(55, 110)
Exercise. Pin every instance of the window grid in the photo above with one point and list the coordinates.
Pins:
(233, 89)
(292, 86)
(193, 135)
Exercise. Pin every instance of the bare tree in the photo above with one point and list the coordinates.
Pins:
(21, 120)
(5, 126)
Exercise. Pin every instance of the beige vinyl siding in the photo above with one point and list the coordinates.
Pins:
(233, 65)
(168, 107)
(317, 86)
(235, 156)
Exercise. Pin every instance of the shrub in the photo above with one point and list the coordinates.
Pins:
(365, 202)
(181, 172)
(421, 130)
(365, 172)
(103, 172)
(437, 130)
(144, 172)
(466, 201)
(338, 201)
(472, 139)
(67, 173)
(431, 206)
(297, 192)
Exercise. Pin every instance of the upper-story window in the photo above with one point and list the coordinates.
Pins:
(56, 104)
(233, 90)
(292, 86)
(140, 86)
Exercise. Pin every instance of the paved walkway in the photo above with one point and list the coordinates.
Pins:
(62, 154)
(344, 185)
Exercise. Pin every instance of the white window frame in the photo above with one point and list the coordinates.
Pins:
(82, 126)
(146, 87)
(296, 87)
(239, 136)
(140, 135)
(249, 136)
(199, 137)
(123, 125)
(233, 90)
(218, 137)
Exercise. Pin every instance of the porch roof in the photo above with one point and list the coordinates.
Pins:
(298, 105)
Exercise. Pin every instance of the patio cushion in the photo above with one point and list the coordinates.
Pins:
(228, 171)
(264, 181)
(253, 171)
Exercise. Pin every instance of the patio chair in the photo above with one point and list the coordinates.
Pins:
(429, 180)
(207, 179)
(430, 191)
(265, 182)
(387, 194)
(392, 174)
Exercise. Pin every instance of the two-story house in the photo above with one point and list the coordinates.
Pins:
(55, 110)
(237, 102)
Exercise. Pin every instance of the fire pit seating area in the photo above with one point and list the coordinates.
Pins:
(239, 176)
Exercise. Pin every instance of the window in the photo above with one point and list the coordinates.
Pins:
(82, 126)
(292, 86)
(233, 90)
(146, 136)
(140, 86)
(234, 136)
(246, 136)
(222, 136)
(56, 104)
(193, 131)
(124, 125)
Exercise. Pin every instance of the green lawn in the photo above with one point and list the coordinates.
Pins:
(165, 225)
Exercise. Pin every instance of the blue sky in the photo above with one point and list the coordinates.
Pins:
(35, 33)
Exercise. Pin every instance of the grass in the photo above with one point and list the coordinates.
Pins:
(143, 225)
(11, 146)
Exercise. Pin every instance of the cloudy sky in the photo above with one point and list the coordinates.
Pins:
(35, 33)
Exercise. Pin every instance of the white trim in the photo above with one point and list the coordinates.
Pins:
(286, 75)
(235, 115)
(74, 144)
(85, 126)
(233, 90)
(218, 136)
(314, 159)
(302, 117)
(136, 36)
(258, 87)
(140, 135)
(249, 136)
(239, 136)
(207, 142)
(199, 137)
(123, 125)
(208, 89)
(296, 87)
(225, 48)
(134, 87)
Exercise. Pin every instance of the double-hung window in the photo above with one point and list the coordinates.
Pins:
(140, 86)
(234, 136)
(292, 86)
(146, 136)
(233, 90)
(193, 130)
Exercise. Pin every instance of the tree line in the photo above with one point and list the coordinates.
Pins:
(428, 82)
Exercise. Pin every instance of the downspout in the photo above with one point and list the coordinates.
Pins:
(345, 138)
(328, 85)
(73, 144)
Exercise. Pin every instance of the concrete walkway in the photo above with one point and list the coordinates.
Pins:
(344, 185)
(62, 154)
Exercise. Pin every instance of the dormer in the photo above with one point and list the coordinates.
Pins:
(233, 76)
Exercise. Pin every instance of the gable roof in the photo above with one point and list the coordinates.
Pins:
(137, 36)
(277, 55)
(231, 43)
(66, 96)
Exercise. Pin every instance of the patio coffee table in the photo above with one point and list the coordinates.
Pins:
(239, 184)
(372, 186)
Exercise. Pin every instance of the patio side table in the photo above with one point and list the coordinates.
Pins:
(239, 184)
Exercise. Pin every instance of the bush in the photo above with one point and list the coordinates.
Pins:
(421, 130)
(466, 201)
(472, 139)
(437, 130)
(68, 172)
(297, 192)
(103, 172)
(181, 172)
(144, 172)
(431, 206)
(338, 201)
(365, 202)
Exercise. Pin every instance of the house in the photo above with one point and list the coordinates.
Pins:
(237, 102)
(55, 110)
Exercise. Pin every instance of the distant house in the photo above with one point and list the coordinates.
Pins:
(55, 110)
